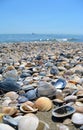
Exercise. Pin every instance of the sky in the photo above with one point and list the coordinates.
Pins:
(41, 16)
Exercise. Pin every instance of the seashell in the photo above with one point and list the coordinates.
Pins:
(29, 121)
(45, 89)
(54, 70)
(79, 107)
(9, 110)
(62, 127)
(77, 118)
(5, 127)
(80, 94)
(43, 104)
(71, 86)
(67, 121)
(63, 111)
(12, 95)
(70, 98)
(6, 102)
(58, 102)
(9, 84)
(1, 117)
(10, 121)
(27, 87)
(17, 118)
(22, 99)
(32, 122)
(59, 94)
(80, 100)
(10, 68)
(29, 103)
(27, 108)
(79, 104)
(31, 94)
(59, 84)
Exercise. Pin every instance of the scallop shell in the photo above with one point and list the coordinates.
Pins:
(13, 95)
(43, 104)
(5, 127)
(77, 118)
(29, 121)
(9, 110)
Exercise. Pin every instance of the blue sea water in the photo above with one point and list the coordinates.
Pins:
(12, 38)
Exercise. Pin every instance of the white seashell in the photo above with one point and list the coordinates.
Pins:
(6, 102)
(70, 98)
(28, 122)
(5, 127)
(77, 118)
(62, 127)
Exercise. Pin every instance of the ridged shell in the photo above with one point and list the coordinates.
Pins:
(28, 122)
(43, 104)
(5, 127)
(13, 95)
(77, 118)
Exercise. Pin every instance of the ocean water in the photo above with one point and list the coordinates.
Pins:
(13, 38)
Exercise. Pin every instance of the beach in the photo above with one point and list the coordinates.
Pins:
(46, 62)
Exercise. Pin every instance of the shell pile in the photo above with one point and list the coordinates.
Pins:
(37, 79)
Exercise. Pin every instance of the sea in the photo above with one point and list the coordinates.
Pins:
(33, 37)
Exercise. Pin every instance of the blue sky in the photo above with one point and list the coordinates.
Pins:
(41, 16)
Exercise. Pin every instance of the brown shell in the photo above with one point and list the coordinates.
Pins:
(43, 104)
(9, 110)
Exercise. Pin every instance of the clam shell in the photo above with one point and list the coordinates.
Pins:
(63, 111)
(10, 121)
(58, 102)
(12, 95)
(43, 104)
(59, 84)
(30, 122)
(70, 98)
(77, 118)
(79, 107)
(9, 110)
(45, 89)
(6, 102)
(5, 127)
(27, 108)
